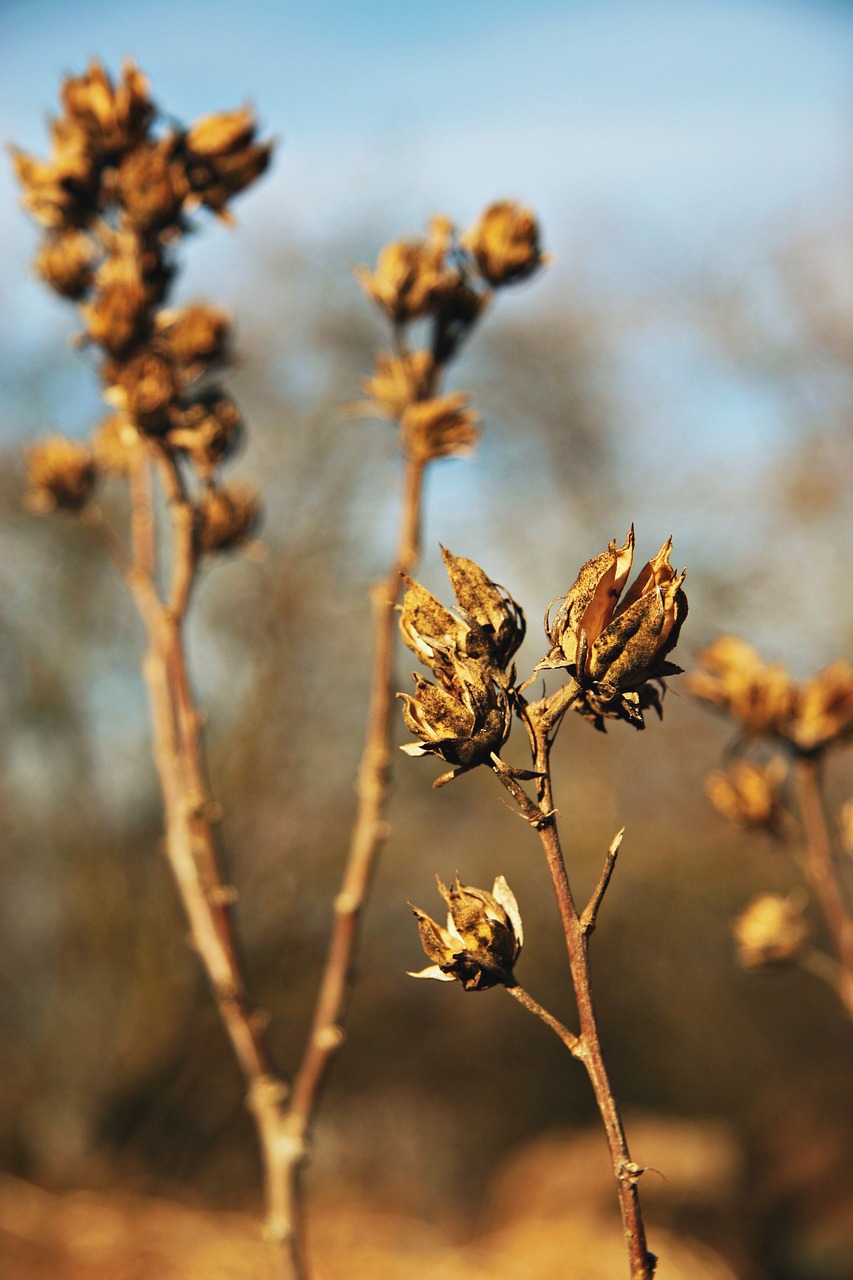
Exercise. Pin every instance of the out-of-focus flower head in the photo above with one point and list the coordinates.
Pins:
(748, 793)
(505, 243)
(442, 427)
(60, 473)
(759, 695)
(113, 117)
(65, 261)
(223, 158)
(614, 647)
(227, 517)
(482, 940)
(208, 430)
(771, 931)
(412, 276)
(398, 382)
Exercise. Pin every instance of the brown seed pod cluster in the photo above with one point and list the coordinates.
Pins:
(115, 198)
(441, 284)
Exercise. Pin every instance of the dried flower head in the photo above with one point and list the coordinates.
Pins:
(222, 157)
(60, 473)
(464, 720)
(65, 262)
(147, 386)
(759, 695)
(614, 649)
(226, 517)
(824, 709)
(482, 940)
(505, 243)
(207, 430)
(399, 381)
(113, 117)
(748, 793)
(412, 276)
(771, 931)
(62, 192)
(198, 335)
(151, 185)
(442, 427)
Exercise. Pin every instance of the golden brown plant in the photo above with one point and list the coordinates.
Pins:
(801, 722)
(611, 653)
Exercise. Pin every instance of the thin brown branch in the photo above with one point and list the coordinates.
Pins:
(192, 855)
(370, 829)
(588, 1050)
(569, 1039)
(589, 915)
(822, 870)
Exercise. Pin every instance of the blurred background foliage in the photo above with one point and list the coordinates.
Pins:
(713, 402)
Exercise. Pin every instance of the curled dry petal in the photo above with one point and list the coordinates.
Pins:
(482, 939)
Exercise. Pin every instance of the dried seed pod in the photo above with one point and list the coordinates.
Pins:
(759, 695)
(489, 606)
(197, 335)
(615, 649)
(114, 117)
(824, 709)
(62, 192)
(411, 276)
(151, 185)
(771, 931)
(222, 158)
(465, 722)
(482, 940)
(442, 427)
(505, 243)
(60, 473)
(399, 381)
(147, 387)
(748, 793)
(65, 262)
(208, 430)
(227, 517)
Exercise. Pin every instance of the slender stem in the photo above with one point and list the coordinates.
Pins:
(822, 871)
(193, 857)
(370, 829)
(569, 1039)
(577, 930)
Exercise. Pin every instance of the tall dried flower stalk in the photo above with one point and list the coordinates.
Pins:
(614, 650)
(796, 727)
(115, 198)
(436, 289)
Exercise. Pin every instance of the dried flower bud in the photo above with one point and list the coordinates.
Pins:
(490, 607)
(222, 133)
(113, 117)
(824, 709)
(147, 386)
(208, 430)
(198, 335)
(411, 276)
(151, 185)
(64, 262)
(747, 793)
(398, 382)
(760, 695)
(771, 931)
(464, 722)
(222, 157)
(113, 441)
(227, 517)
(505, 243)
(443, 427)
(60, 473)
(482, 941)
(60, 192)
(614, 649)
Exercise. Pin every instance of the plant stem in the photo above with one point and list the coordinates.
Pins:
(369, 833)
(569, 1039)
(577, 929)
(190, 841)
(822, 871)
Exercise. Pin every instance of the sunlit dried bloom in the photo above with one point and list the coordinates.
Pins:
(60, 473)
(114, 117)
(442, 427)
(770, 931)
(614, 649)
(62, 191)
(222, 157)
(398, 382)
(64, 262)
(112, 443)
(151, 184)
(760, 695)
(492, 609)
(505, 243)
(747, 793)
(411, 276)
(207, 430)
(824, 708)
(146, 387)
(464, 721)
(227, 517)
(482, 940)
(197, 335)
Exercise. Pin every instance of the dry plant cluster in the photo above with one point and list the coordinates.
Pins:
(122, 188)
